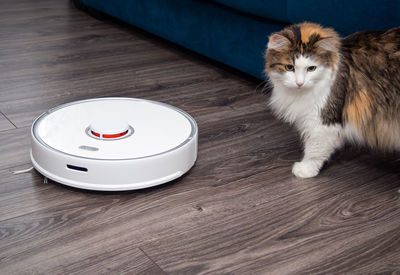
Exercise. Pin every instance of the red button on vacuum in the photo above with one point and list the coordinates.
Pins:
(108, 129)
(110, 136)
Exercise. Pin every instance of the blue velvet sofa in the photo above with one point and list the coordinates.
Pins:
(235, 32)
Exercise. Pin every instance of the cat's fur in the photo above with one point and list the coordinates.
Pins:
(352, 95)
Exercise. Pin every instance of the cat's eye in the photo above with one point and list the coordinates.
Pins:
(311, 68)
(289, 67)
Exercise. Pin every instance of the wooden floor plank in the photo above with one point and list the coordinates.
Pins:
(96, 259)
(5, 124)
(14, 147)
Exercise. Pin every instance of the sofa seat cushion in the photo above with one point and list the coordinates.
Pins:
(267, 9)
(345, 17)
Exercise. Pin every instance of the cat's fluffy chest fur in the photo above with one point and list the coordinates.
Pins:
(335, 90)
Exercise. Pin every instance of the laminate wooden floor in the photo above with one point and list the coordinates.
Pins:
(239, 210)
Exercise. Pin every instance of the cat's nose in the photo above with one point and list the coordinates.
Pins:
(299, 83)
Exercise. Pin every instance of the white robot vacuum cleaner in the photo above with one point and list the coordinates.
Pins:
(114, 144)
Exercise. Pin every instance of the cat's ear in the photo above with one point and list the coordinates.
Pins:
(329, 43)
(278, 42)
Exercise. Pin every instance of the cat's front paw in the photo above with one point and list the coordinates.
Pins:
(305, 169)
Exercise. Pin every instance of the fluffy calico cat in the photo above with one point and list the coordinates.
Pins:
(335, 90)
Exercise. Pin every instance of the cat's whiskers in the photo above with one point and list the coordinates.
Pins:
(266, 87)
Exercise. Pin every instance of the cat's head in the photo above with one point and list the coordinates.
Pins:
(301, 55)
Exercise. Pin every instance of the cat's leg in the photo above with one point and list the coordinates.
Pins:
(319, 144)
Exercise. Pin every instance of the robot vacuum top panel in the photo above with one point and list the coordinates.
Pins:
(114, 128)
